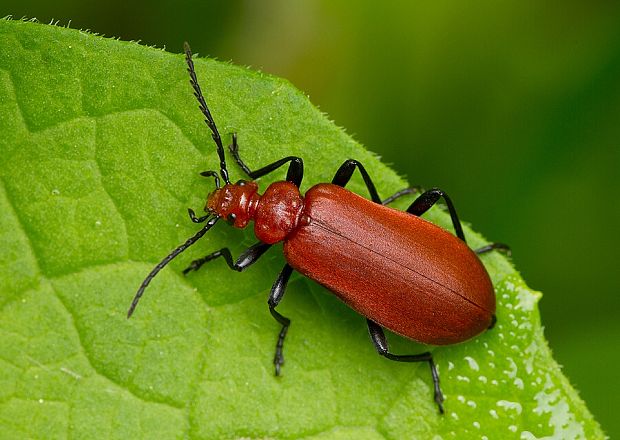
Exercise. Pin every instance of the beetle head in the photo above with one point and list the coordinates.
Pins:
(234, 202)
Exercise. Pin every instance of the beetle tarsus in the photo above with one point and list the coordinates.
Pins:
(194, 265)
(438, 395)
(439, 402)
(403, 192)
(494, 246)
(278, 359)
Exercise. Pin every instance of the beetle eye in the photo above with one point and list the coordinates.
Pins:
(231, 218)
(241, 182)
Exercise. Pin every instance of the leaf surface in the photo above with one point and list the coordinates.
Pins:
(102, 144)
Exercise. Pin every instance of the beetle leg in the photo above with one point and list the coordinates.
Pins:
(380, 341)
(246, 259)
(277, 292)
(344, 173)
(491, 246)
(428, 199)
(294, 174)
(402, 192)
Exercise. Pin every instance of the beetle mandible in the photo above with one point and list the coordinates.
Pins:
(401, 272)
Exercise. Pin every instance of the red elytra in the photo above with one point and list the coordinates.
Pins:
(399, 271)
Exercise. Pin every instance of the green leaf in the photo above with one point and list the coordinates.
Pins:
(102, 144)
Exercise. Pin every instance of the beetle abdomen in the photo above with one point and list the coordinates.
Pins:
(401, 271)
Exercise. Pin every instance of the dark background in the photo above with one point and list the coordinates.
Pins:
(512, 108)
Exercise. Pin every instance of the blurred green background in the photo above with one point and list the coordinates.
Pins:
(511, 107)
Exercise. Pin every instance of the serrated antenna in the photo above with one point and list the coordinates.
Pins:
(215, 134)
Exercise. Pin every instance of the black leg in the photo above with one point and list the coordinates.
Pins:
(246, 259)
(277, 292)
(294, 174)
(493, 246)
(402, 192)
(380, 341)
(425, 201)
(344, 173)
(428, 199)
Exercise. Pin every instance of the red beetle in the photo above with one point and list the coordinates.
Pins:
(396, 269)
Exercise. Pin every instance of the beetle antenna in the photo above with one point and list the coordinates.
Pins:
(205, 111)
(168, 259)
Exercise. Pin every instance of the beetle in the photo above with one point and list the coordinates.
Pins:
(396, 269)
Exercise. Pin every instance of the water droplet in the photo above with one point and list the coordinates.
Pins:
(518, 383)
(529, 358)
(508, 405)
(472, 363)
(512, 373)
(527, 299)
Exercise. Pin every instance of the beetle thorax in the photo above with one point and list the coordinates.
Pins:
(276, 213)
